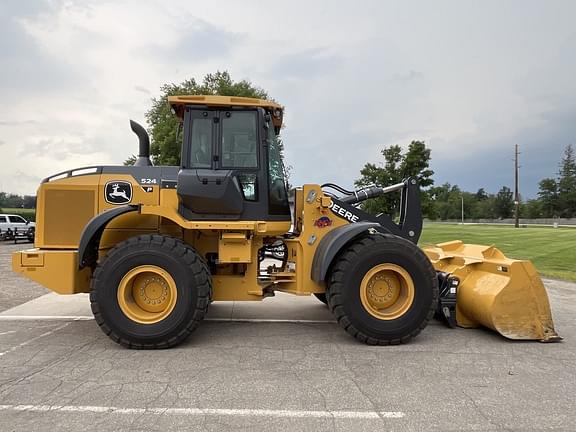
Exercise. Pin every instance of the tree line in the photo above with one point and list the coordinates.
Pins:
(10, 200)
(556, 196)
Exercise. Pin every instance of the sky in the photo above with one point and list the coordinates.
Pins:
(470, 78)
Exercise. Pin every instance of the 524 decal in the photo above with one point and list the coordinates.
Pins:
(148, 181)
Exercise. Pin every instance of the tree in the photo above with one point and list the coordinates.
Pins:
(165, 148)
(504, 203)
(481, 195)
(29, 201)
(532, 209)
(548, 197)
(397, 166)
(446, 201)
(11, 200)
(567, 184)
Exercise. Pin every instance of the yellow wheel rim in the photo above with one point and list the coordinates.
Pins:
(147, 294)
(387, 291)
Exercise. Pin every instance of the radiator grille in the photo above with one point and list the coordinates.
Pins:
(66, 213)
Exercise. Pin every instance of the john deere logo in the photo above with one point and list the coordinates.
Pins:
(118, 192)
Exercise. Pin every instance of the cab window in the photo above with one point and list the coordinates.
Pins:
(201, 147)
(239, 140)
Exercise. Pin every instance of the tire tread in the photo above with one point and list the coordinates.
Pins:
(336, 286)
(174, 247)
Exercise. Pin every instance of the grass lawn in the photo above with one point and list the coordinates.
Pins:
(552, 251)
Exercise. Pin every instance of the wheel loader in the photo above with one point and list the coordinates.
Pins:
(156, 245)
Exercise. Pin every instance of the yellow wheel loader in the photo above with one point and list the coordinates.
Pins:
(155, 245)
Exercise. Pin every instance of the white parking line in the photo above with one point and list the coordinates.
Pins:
(207, 411)
(7, 332)
(45, 318)
(14, 348)
(87, 318)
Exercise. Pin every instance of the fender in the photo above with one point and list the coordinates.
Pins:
(92, 232)
(331, 244)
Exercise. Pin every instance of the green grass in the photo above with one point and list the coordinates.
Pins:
(28, 214)
(552, 251)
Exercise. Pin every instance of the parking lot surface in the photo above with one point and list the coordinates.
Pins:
(281, 364)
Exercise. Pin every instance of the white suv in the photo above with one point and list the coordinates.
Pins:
(13, 226)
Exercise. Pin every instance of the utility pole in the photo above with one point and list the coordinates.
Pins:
(516, 193)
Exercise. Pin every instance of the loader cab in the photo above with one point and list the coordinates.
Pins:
(231, 167)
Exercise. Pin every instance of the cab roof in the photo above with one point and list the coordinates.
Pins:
(178, 104)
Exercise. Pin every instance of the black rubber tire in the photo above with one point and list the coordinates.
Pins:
(322, 297)
(344, 289)
(193, 284)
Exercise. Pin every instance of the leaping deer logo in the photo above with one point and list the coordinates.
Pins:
(121, 193)
(116, 193)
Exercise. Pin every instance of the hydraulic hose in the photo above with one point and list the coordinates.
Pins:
(371, 192)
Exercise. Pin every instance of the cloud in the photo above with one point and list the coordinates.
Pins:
(27, 177)
(142, 90)
(409, 75)
(198, 40)
(2, 142)
(305, 64)
(470, 80)
(59, 147)
(24, 64)
(17, 122)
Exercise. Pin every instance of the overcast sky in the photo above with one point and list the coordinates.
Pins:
(470, 78)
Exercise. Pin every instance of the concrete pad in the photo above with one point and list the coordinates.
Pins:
(53, 305)
(282, 307)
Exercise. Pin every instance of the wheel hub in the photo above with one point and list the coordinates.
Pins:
(383, 289)
(147, 294)
(387, 291)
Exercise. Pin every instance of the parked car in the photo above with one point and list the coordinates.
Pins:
(15, 227)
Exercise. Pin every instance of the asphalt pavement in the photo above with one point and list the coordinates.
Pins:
(280, 364)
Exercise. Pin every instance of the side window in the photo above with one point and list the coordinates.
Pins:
(239, 140)
(249, 186)
(3, 219)
(16, 219)
(201, 147)
(278, 197)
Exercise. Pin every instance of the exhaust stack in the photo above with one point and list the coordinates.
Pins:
(144, 147)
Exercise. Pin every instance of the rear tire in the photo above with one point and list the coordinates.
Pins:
(150, 291)
(382, 290)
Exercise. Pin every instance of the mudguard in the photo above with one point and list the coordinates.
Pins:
(331, 244)
(92, 232)
(505, 295)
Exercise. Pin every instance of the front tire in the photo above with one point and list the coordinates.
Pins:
(382, 290)
(150, 291)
